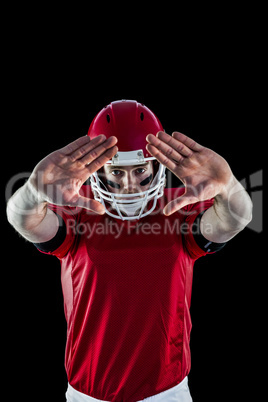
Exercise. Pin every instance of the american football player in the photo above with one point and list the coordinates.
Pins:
(127, 247)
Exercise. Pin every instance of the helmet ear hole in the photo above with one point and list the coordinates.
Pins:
(108, 118)
(142, 116)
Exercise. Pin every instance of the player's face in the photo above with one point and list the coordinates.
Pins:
(128, 179)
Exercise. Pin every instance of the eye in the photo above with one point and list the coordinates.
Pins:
(140, 170)
(116, 172)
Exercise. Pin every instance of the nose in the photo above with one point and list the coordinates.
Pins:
(129, 183)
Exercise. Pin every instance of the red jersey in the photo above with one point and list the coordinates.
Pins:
(127, 291)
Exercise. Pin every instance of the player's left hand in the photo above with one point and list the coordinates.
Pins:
(204, 173)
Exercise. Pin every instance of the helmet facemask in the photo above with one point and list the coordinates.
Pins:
(129, 206)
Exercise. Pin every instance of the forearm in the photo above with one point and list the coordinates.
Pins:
(29, 215)
(231, 213)
(25, 209)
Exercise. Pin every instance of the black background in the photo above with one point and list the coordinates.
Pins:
(210, 90)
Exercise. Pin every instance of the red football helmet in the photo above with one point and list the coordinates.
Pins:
(130, 122)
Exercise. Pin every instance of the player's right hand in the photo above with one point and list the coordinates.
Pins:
(59, 176)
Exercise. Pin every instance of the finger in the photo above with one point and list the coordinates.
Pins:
(178, 203)
(84, 149)
(166, 150)
(178, 146)
(98, 151)
(164, 159)
(97, 163)
(189, 142)
(73, 146)
(91, 205)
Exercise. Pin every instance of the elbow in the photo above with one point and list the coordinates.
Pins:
(236, 223)
(241, 222)
(242, 216)
(15, 215)
(9, 214)
(250, 218)
(249, 215)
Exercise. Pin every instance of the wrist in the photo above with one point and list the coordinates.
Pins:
(234, 205)
(33, 196)
(231, 187)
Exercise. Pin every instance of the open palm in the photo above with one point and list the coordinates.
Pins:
(59, 177)
(203, 172)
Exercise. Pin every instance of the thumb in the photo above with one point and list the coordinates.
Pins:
(178, 203)
(91, 205)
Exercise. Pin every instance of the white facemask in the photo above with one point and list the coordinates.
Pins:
(123, 205)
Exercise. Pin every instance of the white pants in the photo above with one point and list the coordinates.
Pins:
(179, 393)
